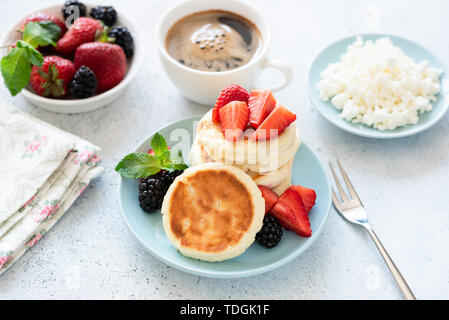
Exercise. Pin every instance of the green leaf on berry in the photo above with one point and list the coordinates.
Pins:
(142, 165)
(16, 65)
(42, 33)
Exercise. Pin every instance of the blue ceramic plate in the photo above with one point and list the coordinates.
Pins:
(148, 229)
(333, 53)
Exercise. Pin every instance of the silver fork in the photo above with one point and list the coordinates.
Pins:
(352, 210)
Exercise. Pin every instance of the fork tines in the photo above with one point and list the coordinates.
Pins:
(352, 193)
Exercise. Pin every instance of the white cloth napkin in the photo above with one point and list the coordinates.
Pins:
(43, 170)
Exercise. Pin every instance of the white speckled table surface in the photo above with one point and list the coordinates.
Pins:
(404, 183)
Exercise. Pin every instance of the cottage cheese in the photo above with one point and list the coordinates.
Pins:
(377, 84)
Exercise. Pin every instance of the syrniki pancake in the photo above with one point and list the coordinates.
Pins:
(256, 155)
(212, 212)
(273, 179)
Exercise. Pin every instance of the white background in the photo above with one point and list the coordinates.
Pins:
(403, 183)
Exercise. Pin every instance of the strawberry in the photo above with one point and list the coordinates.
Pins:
(308, 196)
(83, 30)
(106, 60)
(276, 122)
(53, 78)
(234, 117)
(42, 16)
(292, 215)
(231, 92)
(269, 196)
(260, 103)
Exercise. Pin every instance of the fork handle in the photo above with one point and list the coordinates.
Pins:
(408, 294)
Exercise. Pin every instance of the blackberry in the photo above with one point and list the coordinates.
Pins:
(84, 83)
(152, 189)
(271, 233)
(123, 38)
(107, 14)
(67, 12)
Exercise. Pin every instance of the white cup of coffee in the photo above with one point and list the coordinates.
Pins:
(205, 86)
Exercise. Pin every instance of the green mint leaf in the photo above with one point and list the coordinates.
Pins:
(159, 145)
(176, 162)
(138, 165)
(16, 66)
(16, 69)
(180, 166)
(141, 165)
(174, 166)
(34, 56)
(41, 33)
(163, 158)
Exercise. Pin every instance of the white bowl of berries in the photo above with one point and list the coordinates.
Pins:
(71, 58)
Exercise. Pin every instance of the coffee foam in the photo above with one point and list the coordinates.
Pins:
(213, 41)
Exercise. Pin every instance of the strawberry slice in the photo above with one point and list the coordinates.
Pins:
(292, 214)
(215, 115)
(234, 117)
(270, 197)
(260, 103)
(231, 92)
(276, 122)
(308, 196)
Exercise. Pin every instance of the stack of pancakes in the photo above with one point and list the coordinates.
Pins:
(268, 163)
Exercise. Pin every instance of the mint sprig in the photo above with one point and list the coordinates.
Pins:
(42, 33)
(16, 65)
(142, 165)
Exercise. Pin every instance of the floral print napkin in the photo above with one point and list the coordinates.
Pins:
(43, 171)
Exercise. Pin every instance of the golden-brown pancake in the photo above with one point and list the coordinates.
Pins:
(212, 212)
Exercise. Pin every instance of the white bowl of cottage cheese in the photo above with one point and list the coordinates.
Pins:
(379, 86)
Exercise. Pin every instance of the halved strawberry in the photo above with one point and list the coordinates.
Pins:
(233, 118)
(260, 103)
(308, 196)
(276, 122)
(231, 92)
(290, 211)
(269, 196)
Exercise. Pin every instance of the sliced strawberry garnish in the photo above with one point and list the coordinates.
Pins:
(276, 122)
(233, 118)
(308, 196)
(215, 115)
(231, 92)
(290, 211)
(260, 103)
(269, 196)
